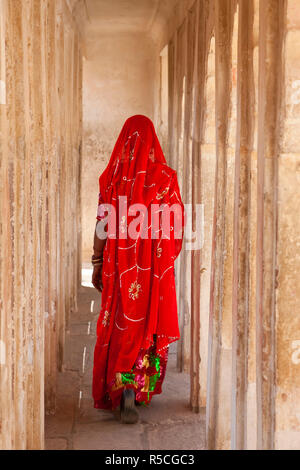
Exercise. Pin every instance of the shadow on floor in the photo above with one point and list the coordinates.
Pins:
(168, 424)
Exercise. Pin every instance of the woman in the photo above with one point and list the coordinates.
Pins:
(134, 269)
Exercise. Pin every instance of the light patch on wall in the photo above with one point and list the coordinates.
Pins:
(296, 352)
(164, 92)
(194, 238)
(53, 309)
(80, 398)
(2, 92)
(295, 98)
(2, 353)
(30, 353)
(86, 277)
(83, 359)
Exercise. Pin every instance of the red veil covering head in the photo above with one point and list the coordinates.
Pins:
(139, 298)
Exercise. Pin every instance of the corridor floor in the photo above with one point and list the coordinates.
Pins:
(167, 424)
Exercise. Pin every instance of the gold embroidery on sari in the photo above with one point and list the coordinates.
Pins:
(147, 383)
(106, 318)
(118, 382)
(161, 195)
(146, 362)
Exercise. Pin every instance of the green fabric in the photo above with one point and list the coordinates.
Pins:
(128, 378)
(152, 381)
(155, 362)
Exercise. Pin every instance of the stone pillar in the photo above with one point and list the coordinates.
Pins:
(39, 201)
(178, 126)
(241, 246)
(287, 335)
(272, 15)
(6, 277)
(208, 168)
(219, 346)
(199, 330)
(253, 353)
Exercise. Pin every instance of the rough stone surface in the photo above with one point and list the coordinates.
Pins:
(56, 444)
(40, 142)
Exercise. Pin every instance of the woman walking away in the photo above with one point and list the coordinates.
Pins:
(141, 216)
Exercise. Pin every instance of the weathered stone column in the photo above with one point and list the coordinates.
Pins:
(35, 196)
(287, 366)
(219, 358)
(203, 33)
(184, 297)
(272, 14)
(6, 319)
(253, 354)
(241, 247)
(179, 95)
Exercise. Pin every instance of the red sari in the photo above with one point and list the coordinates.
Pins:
(138, 318)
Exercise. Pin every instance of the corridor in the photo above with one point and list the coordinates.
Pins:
(220, 80)
(167, 424)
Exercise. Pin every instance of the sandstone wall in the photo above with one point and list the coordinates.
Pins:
(119, 75)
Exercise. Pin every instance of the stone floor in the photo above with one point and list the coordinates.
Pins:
(167, 424)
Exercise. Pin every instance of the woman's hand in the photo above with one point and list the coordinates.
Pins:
(97, 260)
(97, 278)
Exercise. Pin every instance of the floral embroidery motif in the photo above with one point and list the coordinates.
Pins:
(122, 379)
(106, 318)
(134, 290)
(161, 195)
(158, 252)
(146, 362)
(119, 379)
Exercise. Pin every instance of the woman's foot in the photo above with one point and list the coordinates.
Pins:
(129, 413)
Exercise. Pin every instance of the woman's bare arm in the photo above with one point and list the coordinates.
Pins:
(99, 245)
